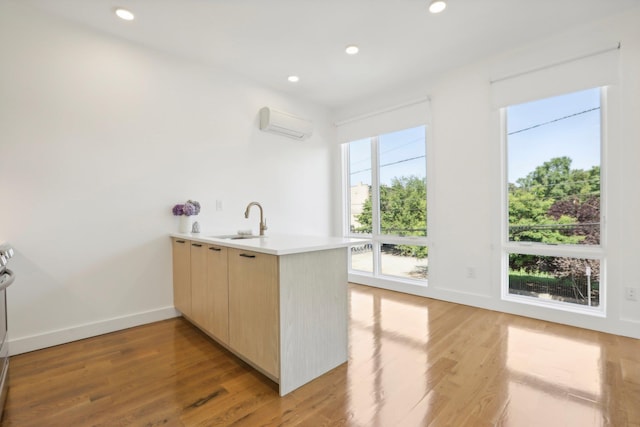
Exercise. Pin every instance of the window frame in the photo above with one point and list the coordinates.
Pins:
(597, 252)
(375, 237)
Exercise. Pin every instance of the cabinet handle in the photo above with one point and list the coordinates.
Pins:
(247, 256)
(214, 249)
(179, 241)
(197, 245)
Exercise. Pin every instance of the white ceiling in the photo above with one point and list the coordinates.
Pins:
(268, 40)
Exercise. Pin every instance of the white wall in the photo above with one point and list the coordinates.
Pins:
(464, 172)
(99, 139)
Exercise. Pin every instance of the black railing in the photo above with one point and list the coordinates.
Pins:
(584, 226)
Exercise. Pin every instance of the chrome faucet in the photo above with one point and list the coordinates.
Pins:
(263, 222)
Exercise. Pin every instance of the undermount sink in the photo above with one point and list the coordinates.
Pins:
(236, 237)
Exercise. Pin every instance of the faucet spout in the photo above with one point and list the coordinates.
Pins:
(263, 222)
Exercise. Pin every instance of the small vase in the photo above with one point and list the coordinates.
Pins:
(185, 224)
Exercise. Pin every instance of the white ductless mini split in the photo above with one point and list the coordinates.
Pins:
(285, 124)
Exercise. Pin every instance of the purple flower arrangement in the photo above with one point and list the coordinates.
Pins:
(189, 208)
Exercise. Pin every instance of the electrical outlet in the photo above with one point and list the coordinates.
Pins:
(471, 273)
(218, 205)
(631, 294)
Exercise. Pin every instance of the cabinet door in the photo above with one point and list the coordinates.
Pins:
(218, 293)
(199, 297)
(253, 308)
(181, 275)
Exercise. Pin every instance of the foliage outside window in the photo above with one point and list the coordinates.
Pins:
(556, 204)
(403, 212)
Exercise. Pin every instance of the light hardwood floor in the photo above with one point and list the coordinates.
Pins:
(412, 362)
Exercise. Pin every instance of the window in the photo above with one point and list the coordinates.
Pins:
(553, 249)
(387, 202)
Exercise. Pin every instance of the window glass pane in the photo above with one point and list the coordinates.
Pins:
(566, 279)
(402, 175)
(389, 170)
(553, 148)
(362, 258)
(360, 186)
(404, 261)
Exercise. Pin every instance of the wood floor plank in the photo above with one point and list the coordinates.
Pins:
(412, 362)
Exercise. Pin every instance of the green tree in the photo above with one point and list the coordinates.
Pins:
(529, 219)
(554, 204)
(556, 180)
(403, 212)
(403, 207)
(365, 217)
(550, 180)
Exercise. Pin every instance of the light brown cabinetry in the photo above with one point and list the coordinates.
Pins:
(182, 275)
(200, 286)
(199, 291)
(286, 315)
(217, 297)
(253, 308)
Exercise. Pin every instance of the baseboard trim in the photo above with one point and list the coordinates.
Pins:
(623, 327)
(26, 344)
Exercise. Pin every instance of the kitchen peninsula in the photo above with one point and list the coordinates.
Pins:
(277, 302)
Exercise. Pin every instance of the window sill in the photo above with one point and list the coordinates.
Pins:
(414, 287)
(557, 305)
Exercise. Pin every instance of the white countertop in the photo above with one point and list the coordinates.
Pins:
(276, 244)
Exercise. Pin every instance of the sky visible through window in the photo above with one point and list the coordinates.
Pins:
(566, 125)
(402, 153)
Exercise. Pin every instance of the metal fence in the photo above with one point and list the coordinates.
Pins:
(366, 247)
(567, 290)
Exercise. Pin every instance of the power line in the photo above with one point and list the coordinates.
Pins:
(392, 148)
(553, 121)
(388, 164)
(402, 161)
(397, 147)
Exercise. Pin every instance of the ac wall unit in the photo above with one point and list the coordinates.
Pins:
(285, 124)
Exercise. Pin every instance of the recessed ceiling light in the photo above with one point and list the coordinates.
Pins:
(124, 14)
(352, 49)
(293, 79)
(437, 6)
